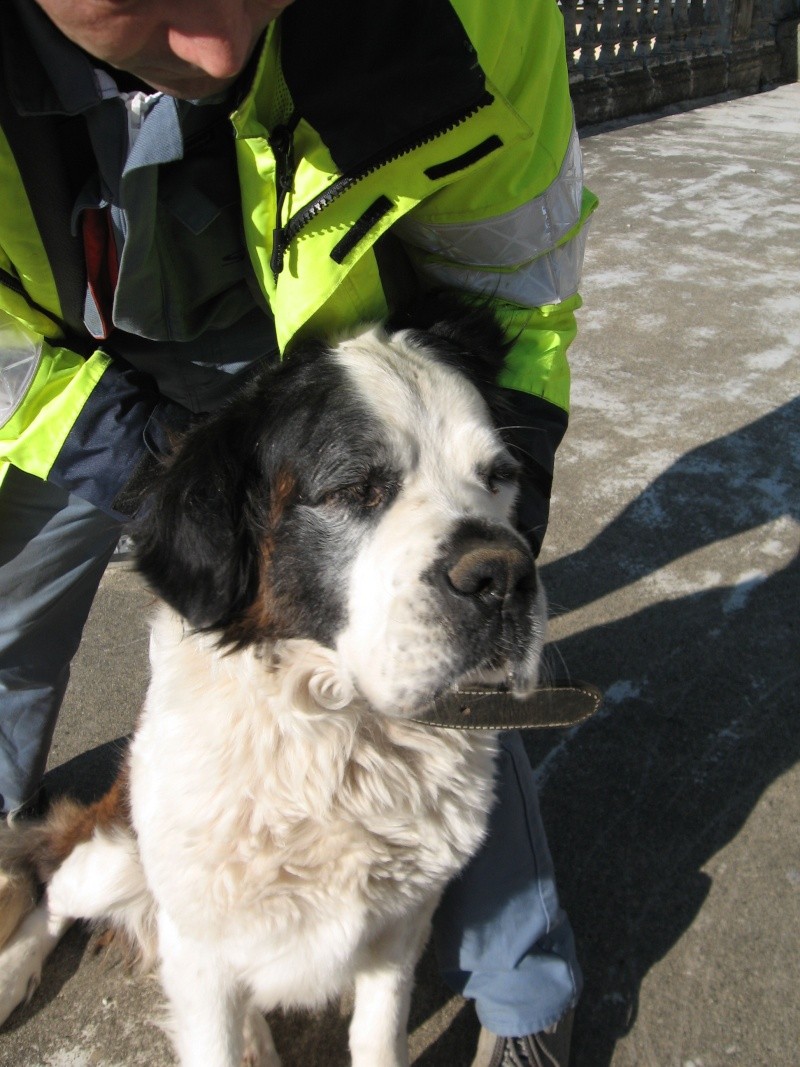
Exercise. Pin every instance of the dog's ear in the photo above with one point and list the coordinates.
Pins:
(469, 336)
(195, 534)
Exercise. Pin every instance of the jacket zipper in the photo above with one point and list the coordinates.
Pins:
(281, 144)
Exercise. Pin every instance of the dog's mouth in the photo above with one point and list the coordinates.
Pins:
(481, 700)
(496, 676)
(434, 661)
(508, 668)
(497, 673)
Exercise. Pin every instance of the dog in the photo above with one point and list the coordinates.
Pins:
(333, 550)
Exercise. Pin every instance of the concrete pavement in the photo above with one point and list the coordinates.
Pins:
(672, 570)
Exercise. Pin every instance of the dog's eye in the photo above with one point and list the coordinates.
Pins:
(363, 496)
(504, 473)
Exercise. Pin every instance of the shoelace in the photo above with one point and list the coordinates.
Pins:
(527, 1052)
(515, 1056)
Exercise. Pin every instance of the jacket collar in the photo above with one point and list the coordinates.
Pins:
(415, 57)
(46, 73)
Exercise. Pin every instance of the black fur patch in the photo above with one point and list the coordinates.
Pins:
(250, 527)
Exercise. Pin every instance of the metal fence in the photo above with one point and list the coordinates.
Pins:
(633, 55)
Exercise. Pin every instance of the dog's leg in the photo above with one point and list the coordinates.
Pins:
(100, 878)
(259, 1048)
(378, 1031)
(207, 1010)
(17, 898)
(24, 954)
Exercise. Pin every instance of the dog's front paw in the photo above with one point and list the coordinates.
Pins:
(17, 898)
(259, 1048)
(21, 963)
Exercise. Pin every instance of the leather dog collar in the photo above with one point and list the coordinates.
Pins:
(478, 707)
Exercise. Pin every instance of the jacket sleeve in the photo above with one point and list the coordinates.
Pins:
(81, 422)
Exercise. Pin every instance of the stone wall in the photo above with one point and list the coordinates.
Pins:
(629, 57)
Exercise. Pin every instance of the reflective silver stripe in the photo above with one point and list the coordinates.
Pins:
(514, 237)
(551, 278)
(20, 355)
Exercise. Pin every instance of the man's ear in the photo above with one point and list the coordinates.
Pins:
(194, 543)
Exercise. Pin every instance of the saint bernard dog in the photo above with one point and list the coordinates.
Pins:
(333, 550)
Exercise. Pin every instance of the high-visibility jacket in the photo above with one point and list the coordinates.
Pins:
(447, 123)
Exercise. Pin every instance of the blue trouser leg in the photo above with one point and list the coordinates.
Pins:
(53, 550)
(501, 937)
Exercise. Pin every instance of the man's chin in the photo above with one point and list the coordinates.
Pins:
(194, 89)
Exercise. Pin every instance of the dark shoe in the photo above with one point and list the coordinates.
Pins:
(123, 555)
(550, 1048)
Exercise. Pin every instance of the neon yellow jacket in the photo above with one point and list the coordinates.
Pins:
(446, 124)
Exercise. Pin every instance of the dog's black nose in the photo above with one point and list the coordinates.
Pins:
(492, 566)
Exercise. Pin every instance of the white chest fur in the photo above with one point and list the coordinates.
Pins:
(277, 814)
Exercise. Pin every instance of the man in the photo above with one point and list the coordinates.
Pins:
(189, 187)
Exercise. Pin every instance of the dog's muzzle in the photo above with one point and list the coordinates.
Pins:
(488, 588)
(486, 580)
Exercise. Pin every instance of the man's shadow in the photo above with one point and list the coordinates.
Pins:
(702, 716)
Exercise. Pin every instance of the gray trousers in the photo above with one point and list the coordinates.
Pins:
(53, 550)
(501, 937)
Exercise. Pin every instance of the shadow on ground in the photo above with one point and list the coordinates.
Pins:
(703, 720)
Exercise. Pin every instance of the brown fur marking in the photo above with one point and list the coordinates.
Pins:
(258, 621)
(70, 823)
(281, 496)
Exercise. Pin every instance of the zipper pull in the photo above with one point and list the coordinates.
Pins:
(281, 142)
